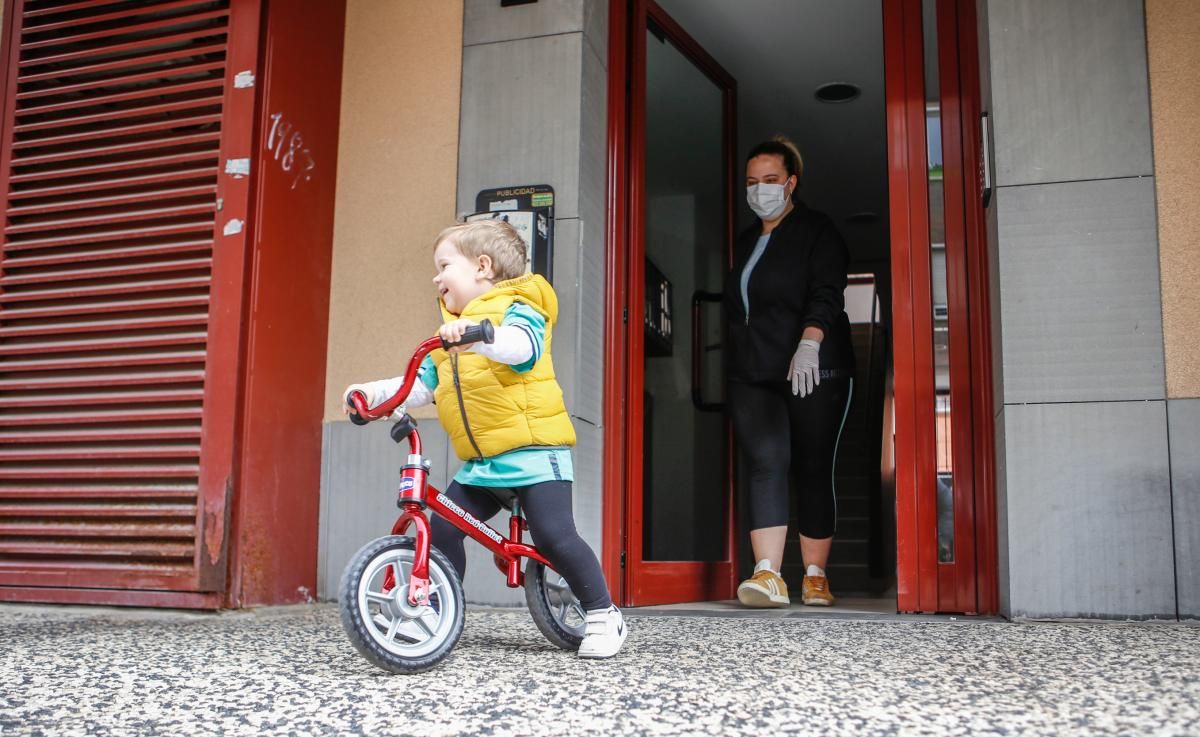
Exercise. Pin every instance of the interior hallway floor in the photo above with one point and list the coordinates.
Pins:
(846, 607)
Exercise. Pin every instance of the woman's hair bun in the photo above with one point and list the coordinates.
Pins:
(781, 145)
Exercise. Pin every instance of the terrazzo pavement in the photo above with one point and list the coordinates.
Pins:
(291, 670)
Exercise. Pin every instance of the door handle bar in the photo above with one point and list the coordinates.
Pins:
(699, 297)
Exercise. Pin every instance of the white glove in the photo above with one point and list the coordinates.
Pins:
(805, 368)
(364, 389)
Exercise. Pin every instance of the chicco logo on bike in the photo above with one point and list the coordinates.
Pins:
(407, 484)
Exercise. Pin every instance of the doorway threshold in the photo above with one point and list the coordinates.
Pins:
(865, 608)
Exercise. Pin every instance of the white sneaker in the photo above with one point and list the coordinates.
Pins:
(604, 634)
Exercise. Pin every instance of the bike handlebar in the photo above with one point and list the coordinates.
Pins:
(481, 333)
(484, 332)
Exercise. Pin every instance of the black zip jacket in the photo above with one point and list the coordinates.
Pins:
(799, 281)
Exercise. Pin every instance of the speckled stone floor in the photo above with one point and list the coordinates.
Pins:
(291, 670)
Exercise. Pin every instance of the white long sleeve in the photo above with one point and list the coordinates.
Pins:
(513, 345)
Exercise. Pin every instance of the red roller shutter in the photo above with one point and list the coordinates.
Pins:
(119, 321)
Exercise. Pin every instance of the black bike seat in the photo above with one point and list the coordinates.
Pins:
(506, 497)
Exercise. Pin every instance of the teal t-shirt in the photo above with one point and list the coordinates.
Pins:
(523, 466)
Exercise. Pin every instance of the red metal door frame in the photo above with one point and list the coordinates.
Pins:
(908, 192)
(273, 549)
(612, 549)
(956, 581)
(644, 582)
(987, 590)
(923, 584)
(222, 418)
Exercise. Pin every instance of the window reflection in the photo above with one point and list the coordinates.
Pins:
(684, 480)
(941, 314)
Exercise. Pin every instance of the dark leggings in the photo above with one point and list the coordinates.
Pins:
(547, 508)
(778, 432)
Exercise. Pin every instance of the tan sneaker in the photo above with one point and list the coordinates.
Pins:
(814, 591)
(764, 589)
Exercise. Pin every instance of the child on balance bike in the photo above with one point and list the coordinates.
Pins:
(503, 410)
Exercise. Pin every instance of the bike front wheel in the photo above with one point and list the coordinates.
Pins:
(554, 607)
(382, 625)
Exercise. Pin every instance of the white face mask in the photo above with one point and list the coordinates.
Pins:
(766, 200)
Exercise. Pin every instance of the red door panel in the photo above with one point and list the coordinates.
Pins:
(941, 354)
(650, 577)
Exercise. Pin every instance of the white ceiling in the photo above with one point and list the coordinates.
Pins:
(780, 51)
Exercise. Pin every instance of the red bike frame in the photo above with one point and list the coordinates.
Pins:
(415, 496)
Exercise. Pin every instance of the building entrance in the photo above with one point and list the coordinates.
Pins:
(692, 87)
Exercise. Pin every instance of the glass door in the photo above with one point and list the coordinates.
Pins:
(679, 534)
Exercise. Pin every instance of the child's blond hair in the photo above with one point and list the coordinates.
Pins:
(495, 239)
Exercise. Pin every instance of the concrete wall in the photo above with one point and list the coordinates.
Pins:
(397, 174)
(1172, 27)
(1086, 487)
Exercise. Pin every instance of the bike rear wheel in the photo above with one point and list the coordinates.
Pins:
(554, 607)
(382, 625)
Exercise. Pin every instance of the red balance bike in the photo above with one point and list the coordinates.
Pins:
(401, 601)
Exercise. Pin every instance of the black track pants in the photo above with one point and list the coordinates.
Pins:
(778, 432)
(547, 508)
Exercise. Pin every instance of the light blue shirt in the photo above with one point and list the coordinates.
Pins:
(755, 255)
(523, 466)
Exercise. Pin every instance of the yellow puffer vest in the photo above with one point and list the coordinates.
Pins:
(485, 406)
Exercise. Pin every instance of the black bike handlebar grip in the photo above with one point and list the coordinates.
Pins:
(355, 417)
(484, 332)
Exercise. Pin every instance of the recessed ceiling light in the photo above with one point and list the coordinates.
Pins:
(835, 92)
(863, 218)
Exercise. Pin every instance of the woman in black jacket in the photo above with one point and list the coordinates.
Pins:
(790, 371)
